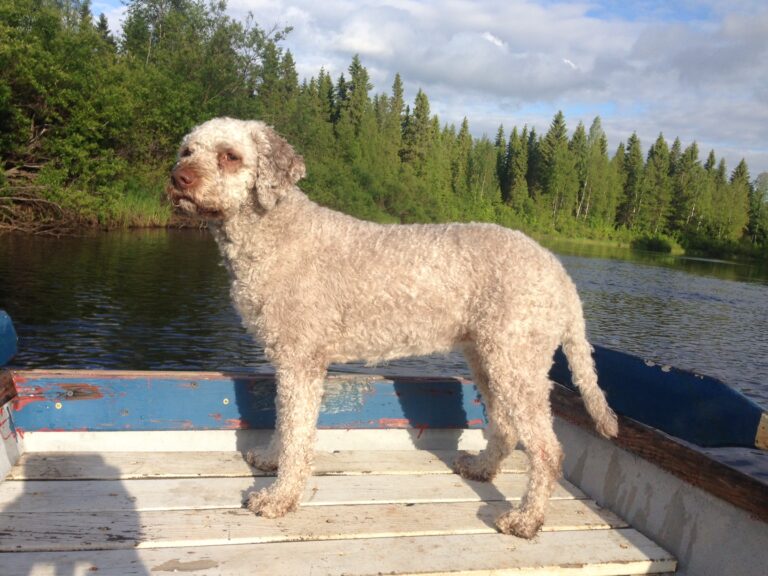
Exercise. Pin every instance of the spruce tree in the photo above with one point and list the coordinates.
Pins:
(653, 212)
(517, 169)
(502, 159)
(758, 211)
(417, 134)
(460, 157)
(535, 174)
(560, 177)
(599, 200)
(737, 207)
(633, 173)
(688, 186)
(102, 27)
(580, 151)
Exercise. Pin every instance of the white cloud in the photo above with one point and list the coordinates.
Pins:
(493, 40)
(695, 70)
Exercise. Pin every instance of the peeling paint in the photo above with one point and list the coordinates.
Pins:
(236, 424)
(394, 423)
(80, 391)
(162, 401)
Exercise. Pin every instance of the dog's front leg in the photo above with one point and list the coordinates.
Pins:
(299, 392)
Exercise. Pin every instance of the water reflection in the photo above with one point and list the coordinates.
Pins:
(160, 300)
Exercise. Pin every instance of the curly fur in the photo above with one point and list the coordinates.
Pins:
(317, 286)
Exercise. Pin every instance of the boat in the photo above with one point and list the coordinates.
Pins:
(136, 472)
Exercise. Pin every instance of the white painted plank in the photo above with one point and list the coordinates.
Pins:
(115, 530)
(233, 440)
(11, 447)
(116, 465)
(583, 553)
(207, 493)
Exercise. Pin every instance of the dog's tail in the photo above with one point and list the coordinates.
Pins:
(579, 354)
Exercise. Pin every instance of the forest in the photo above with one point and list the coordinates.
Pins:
(90, 122)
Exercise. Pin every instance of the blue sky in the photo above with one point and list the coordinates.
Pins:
(693, 69)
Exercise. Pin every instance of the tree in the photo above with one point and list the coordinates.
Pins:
(560, 176)
(580, 150)
(502, 159)
(517, 169)
(598, 202)
(535, 173)
(391, 121)
(417, 133)
(631, 199)
(462, 148)
(483, 180)
(102, 27)
(689, 192)
(758, 211)
(737, 206)
(656, 189)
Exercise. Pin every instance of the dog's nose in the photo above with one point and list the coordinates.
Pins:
(183, 178)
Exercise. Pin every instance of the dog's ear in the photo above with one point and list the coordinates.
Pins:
(278, 167)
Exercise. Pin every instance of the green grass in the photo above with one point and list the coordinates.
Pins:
(138, 209)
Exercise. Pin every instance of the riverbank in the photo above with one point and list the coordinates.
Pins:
(64, 215)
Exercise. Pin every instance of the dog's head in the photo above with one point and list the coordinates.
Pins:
(226, 165)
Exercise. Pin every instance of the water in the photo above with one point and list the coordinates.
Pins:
(159, 300)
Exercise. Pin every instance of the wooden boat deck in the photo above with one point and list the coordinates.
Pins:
(364, 512)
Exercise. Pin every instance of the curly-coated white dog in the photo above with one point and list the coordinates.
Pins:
(317, 286)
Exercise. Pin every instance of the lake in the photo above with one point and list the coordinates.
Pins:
(159, 299)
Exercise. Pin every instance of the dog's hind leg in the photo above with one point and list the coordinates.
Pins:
(299, 393)
(500, 431)
(524, 391)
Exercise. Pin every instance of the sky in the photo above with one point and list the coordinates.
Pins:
(693, 69)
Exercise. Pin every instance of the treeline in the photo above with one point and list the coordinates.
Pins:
(89, 125)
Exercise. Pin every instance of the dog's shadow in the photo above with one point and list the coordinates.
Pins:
(435, 412)
(439, 411)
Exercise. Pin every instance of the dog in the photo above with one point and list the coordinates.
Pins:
(317, 287)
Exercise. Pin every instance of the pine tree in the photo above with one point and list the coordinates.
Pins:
(580, 151)
(633, 173)
(758, 211)
(502, 158)
(598, 203)
(460, 157)
(517, 169)
(417, 133)
(560, 177)
(619, 168)
(392, 123)
(689, 183)
(716, 224)
(737, 207)
(357, 104)
(653, 211)
(535, 174)
(102, 27)
(483, 180)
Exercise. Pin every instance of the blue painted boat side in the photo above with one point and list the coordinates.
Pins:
(98, 402)
(8, 338)
(698, 409)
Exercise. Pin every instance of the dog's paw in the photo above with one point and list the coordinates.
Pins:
(519, 523)
(473, 468)
(264, 460)
(271, 503)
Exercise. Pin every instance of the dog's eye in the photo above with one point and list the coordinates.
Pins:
(186, 152)
(232, 157)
